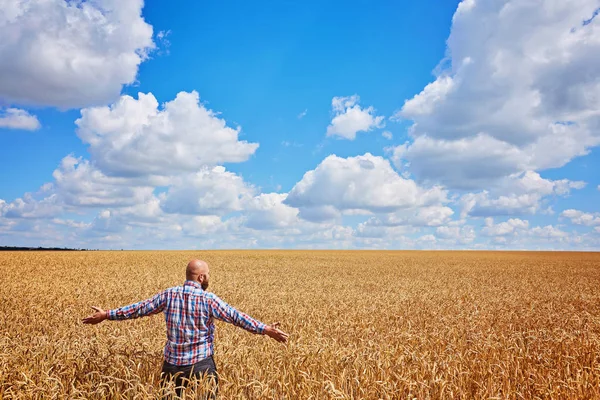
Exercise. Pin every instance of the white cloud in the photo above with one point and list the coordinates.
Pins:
(31, 206)
(287, 143)
(163, 42)
(78, 183)
(145, 213)
(71, 223)
(341, 235)
(320, 213)
(427, 239)
(303, 114)
(393, 226)
(142, 222)
(387, 135)
(467, 163)
(155, 149)
(424, 103)
(515, 195)
(456, 234)
(517, 234)
(510, 227)
(418, 217)
(448, 232)
(166, 152)
(388, 233)
(532, 182)
(364, 182)
(350, 118)
(136, 138)
(481, 204)
(492, 112)
(211, 191)
(211, 203)
(131, 214)
(205, 225)
(490, 120)
(582, 218)
(15, 118)
(105, 223)
(267, 211)
(70, 53)
(548, 232)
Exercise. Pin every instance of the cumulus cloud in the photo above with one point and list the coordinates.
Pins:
(532, 182)
(31, 206)
(71, 223)
(78, 183)
(482, 204)
(205, 225)
(142, 225)
(421, 217)
(489, 121)
(516, 233)
(70, 53)
(136, 137)
(268, 211)
(510, 227)
(320, 213)
(468, 163)
(492, 111)
(456, 234)
(366, 230)
(211, 191)
(515, 195)
(349, 118)
(15, 118)
(171, 150)
(394, 226)
(582, 218)
(549, 232)
(145, 213)
(424, 103)
(427, 239)
(364, 182)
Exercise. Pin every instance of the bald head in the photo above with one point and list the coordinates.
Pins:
(197, 270)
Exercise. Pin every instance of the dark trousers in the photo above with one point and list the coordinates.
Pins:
(184, 374)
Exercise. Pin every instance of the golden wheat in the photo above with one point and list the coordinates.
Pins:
(363, 325)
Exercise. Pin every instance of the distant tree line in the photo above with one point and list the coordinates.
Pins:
(16, 248)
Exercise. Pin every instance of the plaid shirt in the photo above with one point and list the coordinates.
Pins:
(189, 313)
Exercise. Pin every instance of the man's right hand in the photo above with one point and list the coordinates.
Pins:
(275, 333)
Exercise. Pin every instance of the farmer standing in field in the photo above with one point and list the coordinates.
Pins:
(189, 312)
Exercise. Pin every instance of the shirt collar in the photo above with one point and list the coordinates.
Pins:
(193, 283)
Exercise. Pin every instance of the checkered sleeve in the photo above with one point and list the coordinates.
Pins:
(150, 306)
(224, 312)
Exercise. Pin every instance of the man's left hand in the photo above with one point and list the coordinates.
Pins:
(97, 317)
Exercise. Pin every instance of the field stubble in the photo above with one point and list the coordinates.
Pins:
(363, 325)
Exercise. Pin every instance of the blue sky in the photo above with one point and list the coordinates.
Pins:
(318, 125)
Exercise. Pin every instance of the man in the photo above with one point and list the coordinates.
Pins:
(189, 313)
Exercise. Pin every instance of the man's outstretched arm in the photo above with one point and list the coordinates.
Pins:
(143, 308)
(227, 313)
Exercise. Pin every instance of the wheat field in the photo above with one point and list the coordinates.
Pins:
(363, 325)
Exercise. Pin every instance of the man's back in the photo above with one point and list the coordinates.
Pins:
(189, 311)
